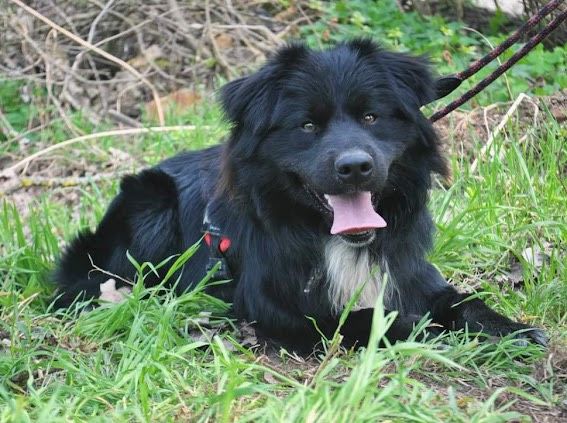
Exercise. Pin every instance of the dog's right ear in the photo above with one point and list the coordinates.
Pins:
(246, 100)
(249, 101)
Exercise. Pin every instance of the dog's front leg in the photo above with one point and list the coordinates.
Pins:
(457, 311)
(358, 325)
(426, 291)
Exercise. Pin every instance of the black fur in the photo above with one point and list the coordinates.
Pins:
(264, 185)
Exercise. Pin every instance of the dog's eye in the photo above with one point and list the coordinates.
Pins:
(309, 126)
(369, 118)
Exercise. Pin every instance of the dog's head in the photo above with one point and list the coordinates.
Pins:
(338, 130)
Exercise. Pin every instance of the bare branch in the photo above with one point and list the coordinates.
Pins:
(99, 51)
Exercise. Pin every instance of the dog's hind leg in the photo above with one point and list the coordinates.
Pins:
(142, 219)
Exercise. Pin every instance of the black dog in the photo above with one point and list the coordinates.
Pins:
(320, 190)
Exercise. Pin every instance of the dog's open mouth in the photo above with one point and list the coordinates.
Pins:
(354, 217)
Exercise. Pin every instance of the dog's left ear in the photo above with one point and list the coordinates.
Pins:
(410, 76)
(407, 73)
(428, 89)
(445, 85)
(413, 73)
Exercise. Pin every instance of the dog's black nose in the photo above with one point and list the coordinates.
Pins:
(354, 167)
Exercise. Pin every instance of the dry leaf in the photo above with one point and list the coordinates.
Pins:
(557, 104)
(203, 318)
(120, 158)
(268, 377)
(224, 41)
(535, 258)
(151, 54)
(177, 100)
(204, 336)
(286, 15)
(515, 275)
(228, 345)
(248, 337)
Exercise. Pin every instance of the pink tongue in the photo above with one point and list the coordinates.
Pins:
(353, 213)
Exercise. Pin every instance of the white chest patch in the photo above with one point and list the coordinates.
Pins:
(348, 268)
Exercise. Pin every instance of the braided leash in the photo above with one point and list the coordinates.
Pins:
(493, 54)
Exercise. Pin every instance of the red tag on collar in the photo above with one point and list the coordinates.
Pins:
(224, 245)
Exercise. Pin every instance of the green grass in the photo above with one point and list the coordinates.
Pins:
(141, 360)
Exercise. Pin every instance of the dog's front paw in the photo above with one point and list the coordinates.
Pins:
(523, 334)
(531, 335)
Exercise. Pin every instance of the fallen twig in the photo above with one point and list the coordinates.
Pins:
(54, 182)
(9, 172)
(106, 272)
(122, 118)
(79, 58)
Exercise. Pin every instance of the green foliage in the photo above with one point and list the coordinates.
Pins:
(17, 113)
(450, 46)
